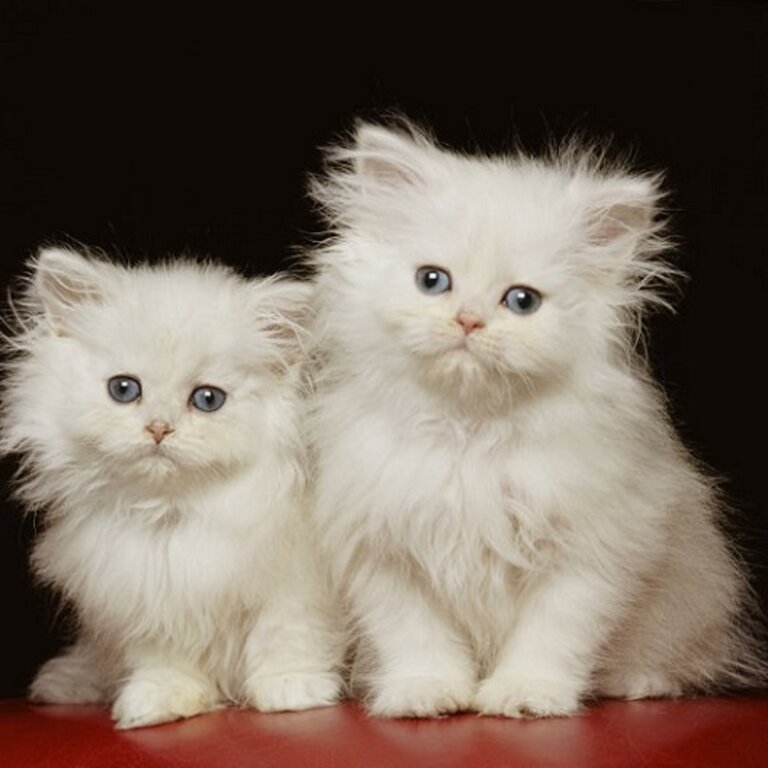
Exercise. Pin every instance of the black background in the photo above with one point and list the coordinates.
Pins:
(153, 130)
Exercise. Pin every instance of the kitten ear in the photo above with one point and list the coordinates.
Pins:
(375, 178)
(64, 280)
(390, 159)
(622, 211)
(282, 308)
(626, 239)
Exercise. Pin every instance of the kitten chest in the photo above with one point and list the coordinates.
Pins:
(152, 576)
(444, 499)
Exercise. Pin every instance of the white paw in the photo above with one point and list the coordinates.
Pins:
(162, 697)
(420, 697)
(522, 697)
(67, 679)
(641, 685)
(293, 691)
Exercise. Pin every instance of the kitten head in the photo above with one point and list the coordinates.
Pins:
(155, 378)
(482, 274)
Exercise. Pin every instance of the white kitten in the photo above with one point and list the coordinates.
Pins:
(155, 409)
(513, 519)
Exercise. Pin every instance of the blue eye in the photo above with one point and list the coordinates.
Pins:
(522, 300)
(124, 389)
(433, 280)
(208, 398)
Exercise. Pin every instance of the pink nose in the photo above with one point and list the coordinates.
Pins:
(469, 322)
(159, 430)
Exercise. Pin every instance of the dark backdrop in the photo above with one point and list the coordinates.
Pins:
(153, 132)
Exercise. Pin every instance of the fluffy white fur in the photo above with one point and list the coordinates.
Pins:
(514, 522)
(188, 563)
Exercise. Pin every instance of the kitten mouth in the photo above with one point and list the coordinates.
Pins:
(160, 454)
(462, 345)
(459, 356)
(157, 465)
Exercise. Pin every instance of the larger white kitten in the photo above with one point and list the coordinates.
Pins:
(155, 409)
(513, 519)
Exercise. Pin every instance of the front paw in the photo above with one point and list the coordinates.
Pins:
(293, 691)
(420, 697)
(160, 697)
(523, 697)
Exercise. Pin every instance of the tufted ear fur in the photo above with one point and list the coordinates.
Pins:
(624, 236)
(622, 210)
(64, 281)
(370, 179)
(282, 310)
(389, 159)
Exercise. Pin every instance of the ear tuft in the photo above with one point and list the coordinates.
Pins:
(375, 178)
(64, 280)
(389, 158)
(283, 313)
(623, 210)
(628, 239)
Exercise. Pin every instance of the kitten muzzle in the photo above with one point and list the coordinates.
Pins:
(469, 322)
(159, 430)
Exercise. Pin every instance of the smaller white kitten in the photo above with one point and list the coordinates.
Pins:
(155, 409)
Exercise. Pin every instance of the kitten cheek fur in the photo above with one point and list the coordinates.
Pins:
(516, 526)
(188, 564)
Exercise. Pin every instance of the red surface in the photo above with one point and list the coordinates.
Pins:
(702, 733)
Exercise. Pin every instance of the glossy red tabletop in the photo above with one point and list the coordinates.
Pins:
(703, 733)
